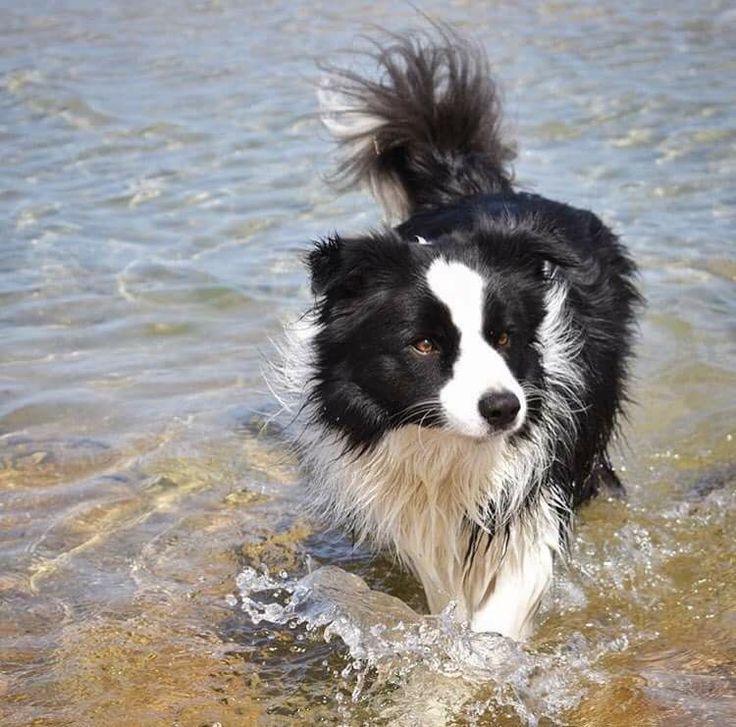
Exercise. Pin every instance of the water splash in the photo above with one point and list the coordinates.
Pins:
(412, 668)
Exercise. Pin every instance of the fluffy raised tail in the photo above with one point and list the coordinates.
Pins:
(426, 131)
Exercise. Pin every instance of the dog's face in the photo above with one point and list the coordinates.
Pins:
(437, 333)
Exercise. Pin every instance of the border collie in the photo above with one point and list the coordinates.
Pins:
(455, 385)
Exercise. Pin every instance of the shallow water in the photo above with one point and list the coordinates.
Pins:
(160, 174)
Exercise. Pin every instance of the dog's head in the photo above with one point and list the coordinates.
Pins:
(437, 331)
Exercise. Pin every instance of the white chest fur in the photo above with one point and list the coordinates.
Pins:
(417, 493)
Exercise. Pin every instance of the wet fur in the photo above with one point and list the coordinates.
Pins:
(479, 520)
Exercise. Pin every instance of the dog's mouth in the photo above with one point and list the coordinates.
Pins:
(491, 422)
(496, 433)
(482, 430)
(484, 434)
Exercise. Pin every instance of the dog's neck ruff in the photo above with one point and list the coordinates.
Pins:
(415, 493)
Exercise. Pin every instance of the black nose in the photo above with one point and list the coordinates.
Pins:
(499, 409)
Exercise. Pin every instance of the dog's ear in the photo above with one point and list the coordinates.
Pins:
(323, 262)
(537, 249)
(345, 268)
(331, 270)
(549, 247)
(526, 242)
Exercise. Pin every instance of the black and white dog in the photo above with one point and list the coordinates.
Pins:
(457, 381)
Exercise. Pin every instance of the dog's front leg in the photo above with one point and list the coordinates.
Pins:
(513, 595)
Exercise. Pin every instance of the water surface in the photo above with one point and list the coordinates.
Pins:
(161, 174)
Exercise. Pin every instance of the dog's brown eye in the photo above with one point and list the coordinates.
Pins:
(503, 340)
(425, 346)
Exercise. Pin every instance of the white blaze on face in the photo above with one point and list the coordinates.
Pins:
(478, 369)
